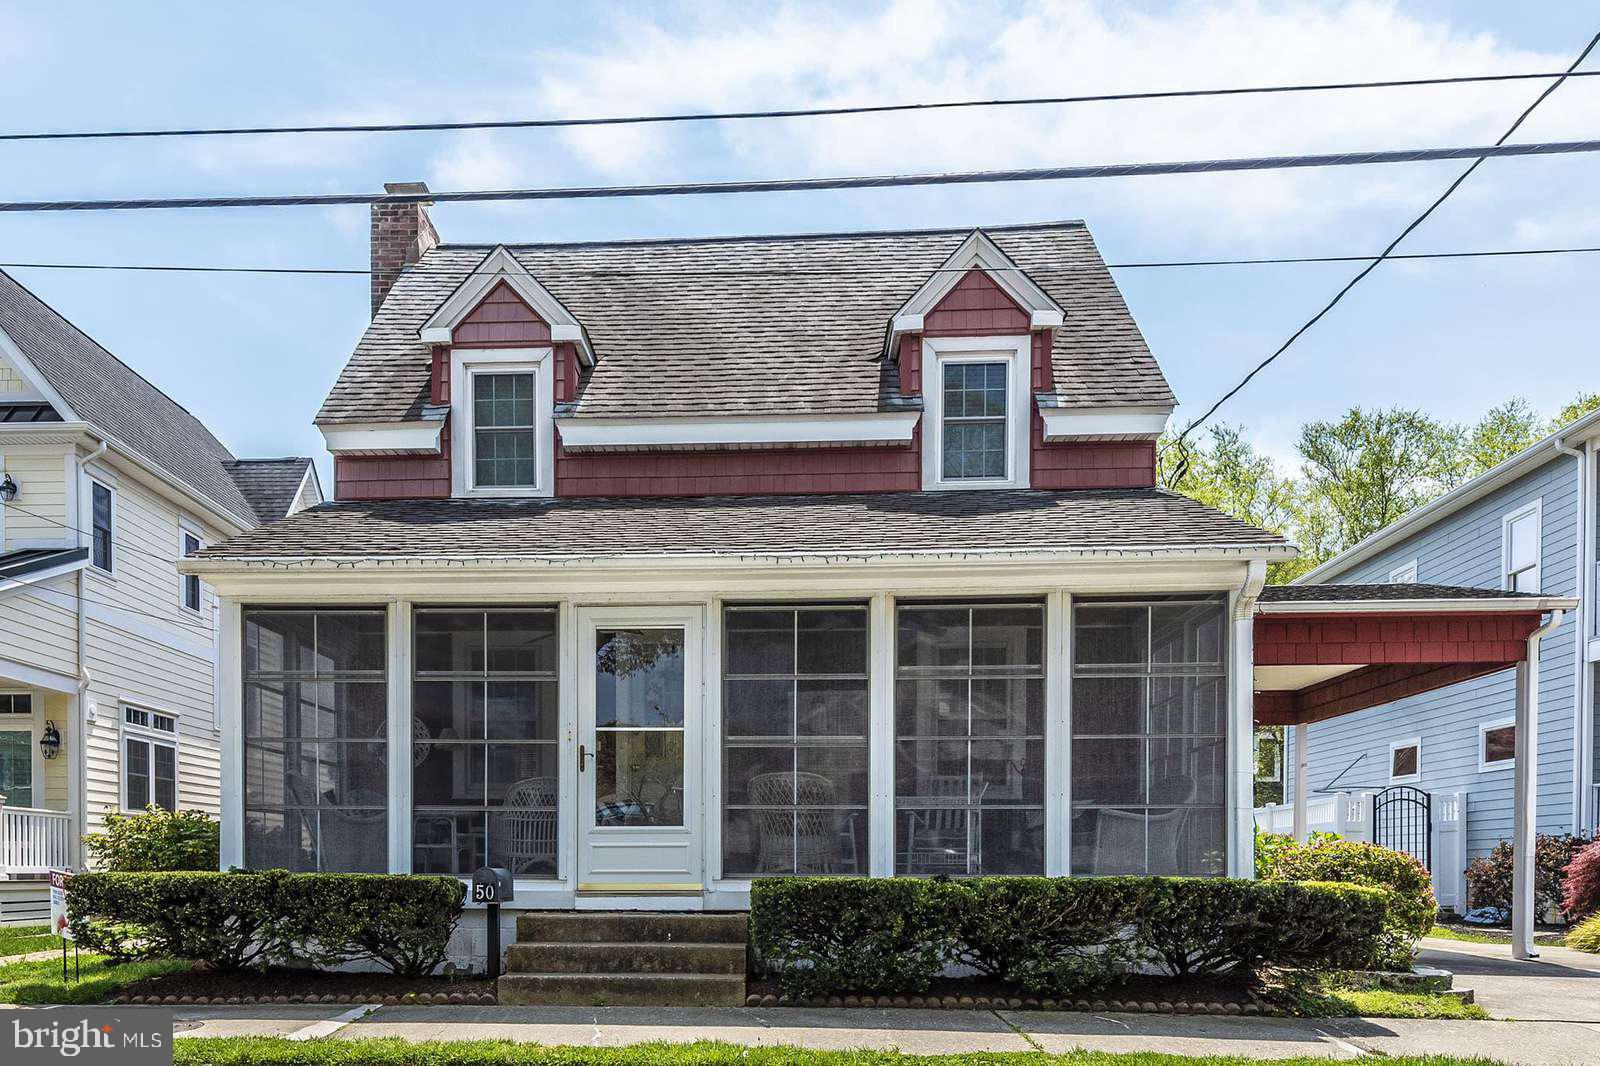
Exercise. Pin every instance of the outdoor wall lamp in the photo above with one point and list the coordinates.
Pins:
(8, 489)
(50, 743)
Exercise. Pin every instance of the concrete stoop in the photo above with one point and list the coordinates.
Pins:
(626, 959)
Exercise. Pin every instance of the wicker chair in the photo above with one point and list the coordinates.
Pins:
(805, 836)
(529, 824)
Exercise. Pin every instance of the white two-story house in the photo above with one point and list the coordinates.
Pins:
(108, 656)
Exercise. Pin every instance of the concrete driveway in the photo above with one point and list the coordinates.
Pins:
(1560, 985)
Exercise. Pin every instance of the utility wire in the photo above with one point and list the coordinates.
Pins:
(1179, 443)
(831, 272)
(807, 112)
(880, 181)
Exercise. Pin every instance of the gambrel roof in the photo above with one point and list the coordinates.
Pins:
(754, 325)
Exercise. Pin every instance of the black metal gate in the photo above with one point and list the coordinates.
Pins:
(1402, 820)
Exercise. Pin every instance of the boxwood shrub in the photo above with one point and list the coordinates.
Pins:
(240, 919)
(1053, 936)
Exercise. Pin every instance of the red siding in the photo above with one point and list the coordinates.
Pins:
(1091, 464)
(724, 472)
(393, 478)
(976, 307)
(501, 318)
(1385, 639)
(911, 365)
(1368, 687)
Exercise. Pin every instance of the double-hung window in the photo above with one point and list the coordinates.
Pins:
(969, 711)
(100, 514)
(316, 783)
(794, 740)
(149, 759)
(1519, 551)
(976, 413)
(191, 582)
(1149, 737)
(504, 430)
(484, 771)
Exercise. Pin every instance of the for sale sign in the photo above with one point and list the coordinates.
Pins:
(59, 882)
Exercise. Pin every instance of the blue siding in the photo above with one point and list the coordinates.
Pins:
(1464, 549)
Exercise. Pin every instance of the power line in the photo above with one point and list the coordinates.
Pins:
(1385, 254)
(806, 112)
(841, 271)
(880, 181)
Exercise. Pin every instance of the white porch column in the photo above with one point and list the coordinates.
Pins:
(1241, 748)
(1524, 799)
(230, 704)
(400, 739)
(1302, 760)
(880, 727)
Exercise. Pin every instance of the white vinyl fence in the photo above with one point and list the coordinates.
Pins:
(1349, 814)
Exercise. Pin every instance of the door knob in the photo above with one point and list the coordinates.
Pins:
(583, 753)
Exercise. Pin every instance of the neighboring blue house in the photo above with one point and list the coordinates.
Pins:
(1528, 524)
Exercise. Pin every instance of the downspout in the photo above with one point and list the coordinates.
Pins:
(1582, 679)
(1525, 828)
(1241, 749)
(80, 762)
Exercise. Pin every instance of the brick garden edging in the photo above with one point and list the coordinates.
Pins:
(434, 999)
(1127, 1006)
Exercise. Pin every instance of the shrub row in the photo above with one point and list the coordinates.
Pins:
(1489, 877)
(240, 919)
(1052, 936)
(1326, 857)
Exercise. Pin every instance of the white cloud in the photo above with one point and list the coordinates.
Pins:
(913, 51)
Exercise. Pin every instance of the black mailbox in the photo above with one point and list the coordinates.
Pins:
(492, 884)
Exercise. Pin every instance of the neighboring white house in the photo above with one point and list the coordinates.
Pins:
(107, 654)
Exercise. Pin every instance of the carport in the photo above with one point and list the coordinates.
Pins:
(1322, 651)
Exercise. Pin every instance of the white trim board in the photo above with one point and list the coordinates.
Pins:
(1104, 423)
(892, 427)
(977, 252)
(420, 437)
(1017, 353)
(500, 265)
(465, 364)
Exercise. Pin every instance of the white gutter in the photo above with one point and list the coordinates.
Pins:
(1532, 456)
(1508, 604)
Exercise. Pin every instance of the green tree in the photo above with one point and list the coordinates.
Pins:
(1582, 404)
(1502, 432)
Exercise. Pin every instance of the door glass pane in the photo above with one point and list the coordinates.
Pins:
(638, 777)
(16, 767)
(638, 677)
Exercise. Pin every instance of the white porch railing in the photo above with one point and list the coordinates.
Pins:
(1349, 814)
(32, 841)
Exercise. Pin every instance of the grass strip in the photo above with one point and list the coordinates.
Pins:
(25, 939)
(95, 980)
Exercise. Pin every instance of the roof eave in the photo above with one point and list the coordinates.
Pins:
(1454, 605)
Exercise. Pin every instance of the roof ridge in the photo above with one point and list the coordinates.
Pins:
(272, 459)
(1068, 223)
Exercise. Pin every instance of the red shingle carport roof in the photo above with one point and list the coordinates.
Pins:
(1381, 643)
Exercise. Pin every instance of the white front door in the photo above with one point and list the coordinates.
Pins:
(639, 700)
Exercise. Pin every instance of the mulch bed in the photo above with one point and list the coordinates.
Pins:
(1140, 994)
(304, 986)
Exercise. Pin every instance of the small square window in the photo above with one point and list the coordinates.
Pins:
(1497, 745)
(1405, 761)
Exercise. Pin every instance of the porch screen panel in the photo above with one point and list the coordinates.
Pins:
(484, 731)
(794, 741)
(315, 740)
(1149, 737)
(969, 739)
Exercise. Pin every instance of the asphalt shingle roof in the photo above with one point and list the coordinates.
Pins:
(1015, 520)
(755, 325)
(111, 396)
(269, 484)
(1379, 592)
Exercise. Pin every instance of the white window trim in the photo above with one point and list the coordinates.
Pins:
(464, 363)
(1536, 509)
(937, 351)
(1484, 765)
(186, 528)
(1405, 574)
(1399, 745)
(150, 736)
(88, 515)
(29, 723)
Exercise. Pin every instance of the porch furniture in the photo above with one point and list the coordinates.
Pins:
(530, 823)
(1121, 836)
(946, 840)
(813, 839)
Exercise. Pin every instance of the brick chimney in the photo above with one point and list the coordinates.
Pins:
(401, 235)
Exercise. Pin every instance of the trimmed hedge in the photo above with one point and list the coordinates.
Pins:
(1052, 936)
(240, 919)
(1325, 857)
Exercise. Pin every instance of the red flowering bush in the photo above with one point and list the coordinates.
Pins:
(1580, 888)
(1489, 877)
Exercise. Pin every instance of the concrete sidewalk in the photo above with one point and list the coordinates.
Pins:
(916, 1031)
(1560, 985)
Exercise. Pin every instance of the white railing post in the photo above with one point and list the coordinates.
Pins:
(1450, 849)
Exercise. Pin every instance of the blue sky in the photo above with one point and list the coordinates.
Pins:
(254, 355)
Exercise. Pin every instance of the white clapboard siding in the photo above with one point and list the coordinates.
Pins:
(39, 517)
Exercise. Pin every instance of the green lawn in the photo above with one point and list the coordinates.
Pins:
(1468, 936)
(97, 979)
(247, 1051)
(1382, 1003)
(22, 939)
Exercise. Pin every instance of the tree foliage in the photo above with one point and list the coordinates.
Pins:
(1352, 475)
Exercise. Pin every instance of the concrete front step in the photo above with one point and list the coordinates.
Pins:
(622, 990)
(634, 927)
(626, 957)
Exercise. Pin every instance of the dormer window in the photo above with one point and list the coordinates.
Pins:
(502, 440)
(975, 429)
